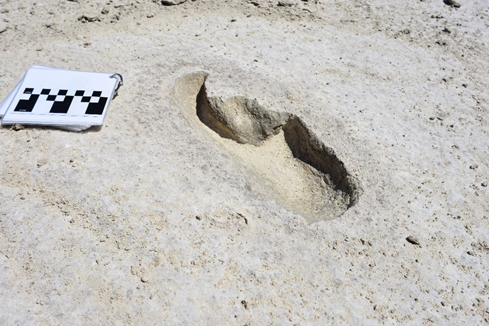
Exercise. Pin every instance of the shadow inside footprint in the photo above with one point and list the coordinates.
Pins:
(286, 161)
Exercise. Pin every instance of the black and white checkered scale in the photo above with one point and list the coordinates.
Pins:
(62, 100)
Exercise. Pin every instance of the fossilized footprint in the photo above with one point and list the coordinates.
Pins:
(280, 153)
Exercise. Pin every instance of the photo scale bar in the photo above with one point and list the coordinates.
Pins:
(93, 108)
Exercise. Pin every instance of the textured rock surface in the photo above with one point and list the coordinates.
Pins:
(151, 219)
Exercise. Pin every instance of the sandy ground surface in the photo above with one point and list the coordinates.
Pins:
(152, 220)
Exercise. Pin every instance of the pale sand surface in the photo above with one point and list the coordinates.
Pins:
(153, 219)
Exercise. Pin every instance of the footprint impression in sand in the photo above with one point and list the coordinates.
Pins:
(285, 160)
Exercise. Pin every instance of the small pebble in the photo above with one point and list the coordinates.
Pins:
(172, 2)
(484, 184)
(452, 3)
(413, 240)
(3, 26)
(17, 127)
(286, 3)
(135, 270)
(474, 166)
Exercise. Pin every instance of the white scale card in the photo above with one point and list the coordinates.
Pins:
(58, 97)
